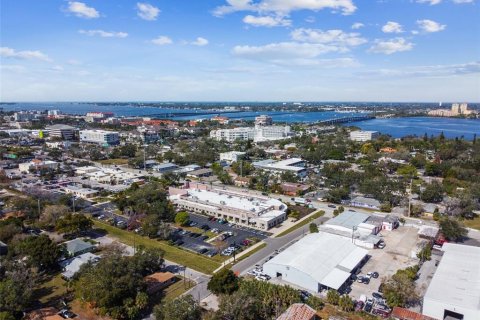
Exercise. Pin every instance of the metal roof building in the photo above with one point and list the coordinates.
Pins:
(319, 260)
(454, 292)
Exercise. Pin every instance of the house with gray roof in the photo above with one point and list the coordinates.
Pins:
(77, 247)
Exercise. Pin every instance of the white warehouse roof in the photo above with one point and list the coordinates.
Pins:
(327, 258)
(457, 279)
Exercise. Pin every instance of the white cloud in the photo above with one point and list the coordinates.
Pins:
(431, 2)
(463, 1)
(332, 37)
(200, 42)
(391, 46)
(357, 25)
(430, 26)
(162, 40)
(392, 27)
(146, 11)
(81, 10)
(284, 7)
(25, 55)
(266, 21)
(104, 34)
(427, 71)
(310, 19)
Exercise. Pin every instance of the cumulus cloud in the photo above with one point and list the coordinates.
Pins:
(430, 2)
(427, 71)
(430, 26)
(357, 25)
(392, 27)
(284, 7)
(391, 46)
(147, 12)
(81, 10)
(162, 40)
(24, 55)
(266, 21)
(104, 34)
(200, 42)
(332, 37)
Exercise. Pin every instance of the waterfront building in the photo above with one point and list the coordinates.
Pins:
(101, 137)
(257, 133)
(62, 131)
(362, 136)
(97, 116)
(263, 120)
(245, 209)
(457, 109)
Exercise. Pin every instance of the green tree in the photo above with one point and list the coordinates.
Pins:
(315, 302)
(224, 281)
(333, 297)
(313, 228)
(181, 308)
(182, 218)
(239, 306)
(425, 254)
(16, 289)
(432, 193)
(399, 290)
(407, 171)
(452, 230)
(41, 252)
(346, 303)
(73, 223)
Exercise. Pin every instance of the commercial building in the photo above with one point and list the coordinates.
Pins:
(165, 167)
(293, 165)
(360, 228)
(363, 135)
(271, 133)
(249, 210)
(97, 116)
(232, 156)
(101, 137)
(37, 164)
(80, 192)
(454, 292)
(363, 202)
(458, 109)
(263, 120)
(317, 261)
(62, 131)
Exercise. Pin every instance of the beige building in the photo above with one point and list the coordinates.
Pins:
(237, 207)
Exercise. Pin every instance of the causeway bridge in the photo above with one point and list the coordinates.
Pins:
(345, 120)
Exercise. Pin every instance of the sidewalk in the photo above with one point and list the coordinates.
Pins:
(226, 262)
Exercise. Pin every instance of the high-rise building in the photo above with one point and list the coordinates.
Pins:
(363, 135)
(257, 134)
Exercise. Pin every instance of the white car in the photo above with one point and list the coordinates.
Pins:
(261, 277)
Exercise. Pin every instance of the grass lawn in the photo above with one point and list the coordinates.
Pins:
(114, 161)
(472, 223)
(300, 224)
(177, 289)
(192, 260)
(50, 291)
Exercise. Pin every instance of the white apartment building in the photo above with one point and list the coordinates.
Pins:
(363, 135)
(232, 156)
(257, 133)
(230, 135)
(245, 209)
(263, 120)
(101, 137)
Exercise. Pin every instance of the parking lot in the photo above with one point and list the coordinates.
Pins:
(396, 255)
(239, 234)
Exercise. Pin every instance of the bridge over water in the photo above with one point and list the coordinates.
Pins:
(345, 120)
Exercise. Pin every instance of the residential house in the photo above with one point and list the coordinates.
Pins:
(294, 189)
(77, 247)
(71, 266)
(363, 202)
(158, 281)
(299, 311)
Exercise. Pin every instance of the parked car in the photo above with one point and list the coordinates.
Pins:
(381, 245)
(205, 227)
(368, 305)
(360, 279)
(377, 295)
(261, 277)
(202, 251)
(67, 314)
(359, 305)
(332, 206)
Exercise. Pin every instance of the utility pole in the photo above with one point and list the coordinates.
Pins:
(410, 198)
(73, 203)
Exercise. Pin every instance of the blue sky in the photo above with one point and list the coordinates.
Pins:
(240, 50)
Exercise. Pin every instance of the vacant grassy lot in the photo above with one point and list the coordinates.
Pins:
(51, 291)
(472, 223)
(114, 161)
(300, 224)
(192, 260)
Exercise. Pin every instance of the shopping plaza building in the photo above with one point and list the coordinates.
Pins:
(237, 207)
